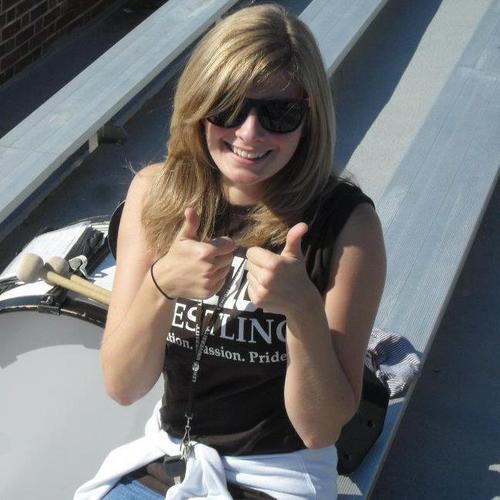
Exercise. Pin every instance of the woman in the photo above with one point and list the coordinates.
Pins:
(245, 233)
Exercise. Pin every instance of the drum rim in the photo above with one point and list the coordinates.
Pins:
(86, 311)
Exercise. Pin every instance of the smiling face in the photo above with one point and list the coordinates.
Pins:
(248, 155)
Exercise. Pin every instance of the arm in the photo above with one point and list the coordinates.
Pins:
(133, 345)
(326, 337)
(139, 316)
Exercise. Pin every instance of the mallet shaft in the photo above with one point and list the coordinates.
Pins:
(85, 290)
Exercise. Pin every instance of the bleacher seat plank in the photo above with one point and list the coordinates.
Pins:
(338, 24)
(23, 164)
(431, 210)
(73, 115)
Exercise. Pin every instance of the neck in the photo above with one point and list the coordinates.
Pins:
(245, 197)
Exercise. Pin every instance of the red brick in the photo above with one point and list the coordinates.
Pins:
(7, 4)
(48, 18)
(49, 31)
(64, 20)
(25, 35)
(40, 37)
(9, 60)
(11, 30)
(23, 49)
(38, 25)
(10, 15)
(24, 6)
(51, 16)
(25, 20)
(8, 45)
(39, 10)
(49, 42)
(23, 62)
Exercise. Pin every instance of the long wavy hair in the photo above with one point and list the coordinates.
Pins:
(242, 51)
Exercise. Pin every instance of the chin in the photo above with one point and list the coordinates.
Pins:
(243, 176)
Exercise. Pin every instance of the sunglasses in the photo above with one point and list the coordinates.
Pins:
(279, 116)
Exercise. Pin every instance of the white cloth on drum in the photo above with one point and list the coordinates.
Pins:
(303, 474)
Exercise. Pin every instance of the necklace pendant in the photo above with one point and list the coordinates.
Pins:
(186, 449)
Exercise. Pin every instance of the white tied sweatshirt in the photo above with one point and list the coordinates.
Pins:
(303, 474)
(205, 477)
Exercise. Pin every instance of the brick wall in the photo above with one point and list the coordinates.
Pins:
(28, 27)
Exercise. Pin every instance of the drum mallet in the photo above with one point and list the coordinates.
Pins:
(31, 268)
(61, 266)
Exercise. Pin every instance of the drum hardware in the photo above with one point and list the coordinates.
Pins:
(79, 264)
(51, 302)
(32, 268)
(63, 268)
(8, 284)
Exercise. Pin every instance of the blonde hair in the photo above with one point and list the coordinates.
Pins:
(242, 51)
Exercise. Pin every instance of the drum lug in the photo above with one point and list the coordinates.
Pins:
(49, 304)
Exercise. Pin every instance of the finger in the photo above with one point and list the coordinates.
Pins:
(294, 241)
(253, 281)
(254, 292)
(251, 287)
(260, 257)
(218, 274)
(223, 245)
(255, 271)
(190, 226)
(222, 261)
(251, 268)
(213, 282)
(220, 283)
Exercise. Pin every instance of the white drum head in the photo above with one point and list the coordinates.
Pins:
(57, 423)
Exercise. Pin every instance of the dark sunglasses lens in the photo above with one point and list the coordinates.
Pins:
(228, 118)
(281, 116)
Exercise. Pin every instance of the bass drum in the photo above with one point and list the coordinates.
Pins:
(57, 424)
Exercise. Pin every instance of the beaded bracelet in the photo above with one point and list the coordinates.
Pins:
(156, 284)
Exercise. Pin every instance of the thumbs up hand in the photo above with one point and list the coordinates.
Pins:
(192, 268)
(276, 283)
(294, 240)
(190, 226)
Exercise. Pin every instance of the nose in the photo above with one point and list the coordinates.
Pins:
(251, 130)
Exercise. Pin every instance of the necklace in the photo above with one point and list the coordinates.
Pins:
(201, 337)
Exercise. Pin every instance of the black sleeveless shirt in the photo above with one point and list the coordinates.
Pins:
(238, 399)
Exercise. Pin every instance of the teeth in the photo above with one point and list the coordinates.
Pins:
(246, 154)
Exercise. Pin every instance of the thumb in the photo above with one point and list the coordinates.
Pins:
(190, 226)
(294, 241)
